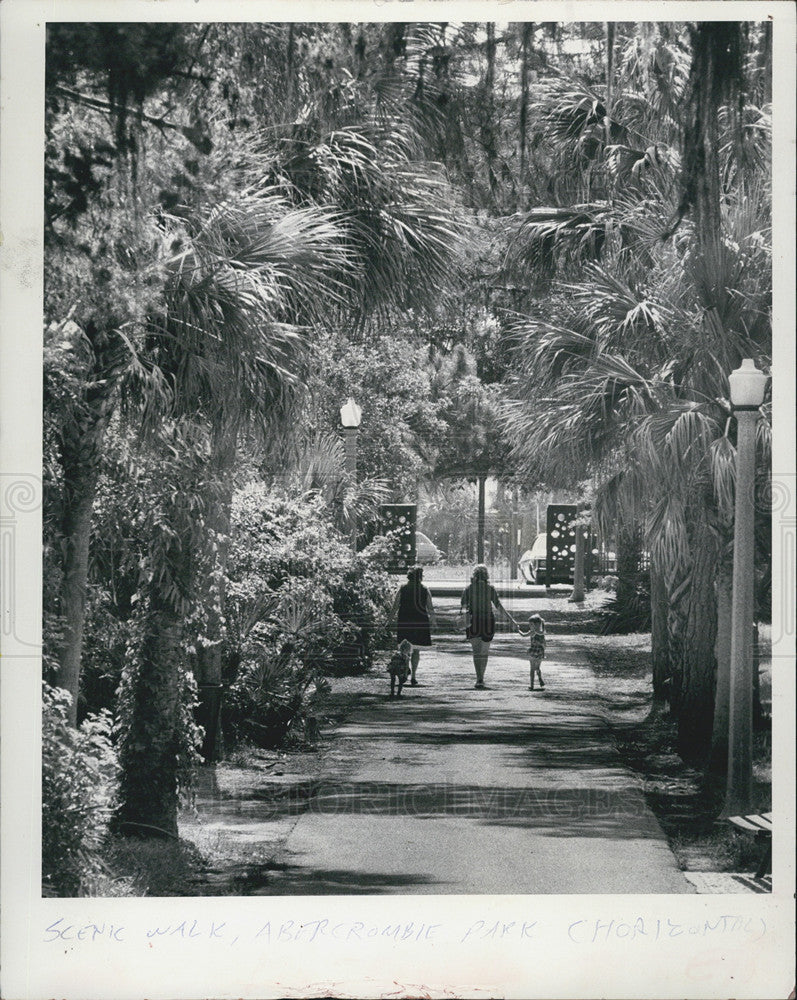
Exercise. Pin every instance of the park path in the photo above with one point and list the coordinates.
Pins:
(453, 790)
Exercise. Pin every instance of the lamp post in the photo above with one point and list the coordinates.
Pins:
(480, 519)
(747, 385)
(350, 417)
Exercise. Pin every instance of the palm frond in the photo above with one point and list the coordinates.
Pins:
(723, 474)
(690, 435)
(552, 238)
(251, 274)
(667, 537)
(619, 311)
(403, 229)
(549, 352)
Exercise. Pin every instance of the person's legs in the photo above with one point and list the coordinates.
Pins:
(483, 661)
(534, 668)
(481, 650)
(474, 645)
(416, 655)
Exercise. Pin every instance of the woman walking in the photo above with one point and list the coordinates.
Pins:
(414, 614)
(477, 601)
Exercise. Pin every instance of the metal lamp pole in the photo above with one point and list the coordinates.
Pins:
(350, 417)
(747, 385)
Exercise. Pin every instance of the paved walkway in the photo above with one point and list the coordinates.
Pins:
(453, 790)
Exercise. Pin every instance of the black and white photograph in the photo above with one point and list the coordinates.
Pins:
(399, 553)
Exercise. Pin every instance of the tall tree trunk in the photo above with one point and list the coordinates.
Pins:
(149, 753)
(629, 548)
(290, 74)
(678, 588)
(659, 639)
(708, 211)
(526, 38)
(480, 522)
(610, 32)
(698, 663)
(82, 476)
(488, 130)
(210, 659)
(83, 440)
(715, 77)
(577, 597)
(718, 761)
(210, 653)
(218, 505)
(764, 61)
(157, 728)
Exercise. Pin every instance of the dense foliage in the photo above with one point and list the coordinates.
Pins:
(529, 251)
(79, 787)
(659, 283)
(300, 606)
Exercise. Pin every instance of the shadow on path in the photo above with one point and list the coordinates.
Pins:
(300, 880)
(558, 811)
(409, 790)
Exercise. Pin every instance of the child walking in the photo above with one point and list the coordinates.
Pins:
(399, 667)
(536, 650)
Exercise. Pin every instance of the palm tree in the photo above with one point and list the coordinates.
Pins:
(247, 262)
(630, 388)
(232, 364)
(319, 467)
(627, 383)
(240, 304)
(95, 358)
(230, 349)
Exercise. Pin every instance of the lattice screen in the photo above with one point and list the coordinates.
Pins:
(401, 519)
(561, 543)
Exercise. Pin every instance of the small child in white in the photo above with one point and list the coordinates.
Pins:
(536, 650)
(399, 667)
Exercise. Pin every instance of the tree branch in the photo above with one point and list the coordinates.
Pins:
(100, 105)
(194, 135)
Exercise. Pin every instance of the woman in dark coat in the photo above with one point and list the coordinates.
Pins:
(477, 601)
(414, 614)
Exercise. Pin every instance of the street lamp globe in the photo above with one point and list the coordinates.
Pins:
(747, 385)
(350, 414)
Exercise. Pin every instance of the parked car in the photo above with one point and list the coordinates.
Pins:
(532, 562)
(426, 552)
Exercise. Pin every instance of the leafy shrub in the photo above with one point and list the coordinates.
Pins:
(105, 640)
(278, 680)
(278, 540)
(274, 694)
(299, 606)
(79, 783)
(361, 597)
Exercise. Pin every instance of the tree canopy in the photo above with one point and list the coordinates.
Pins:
(528, 250)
